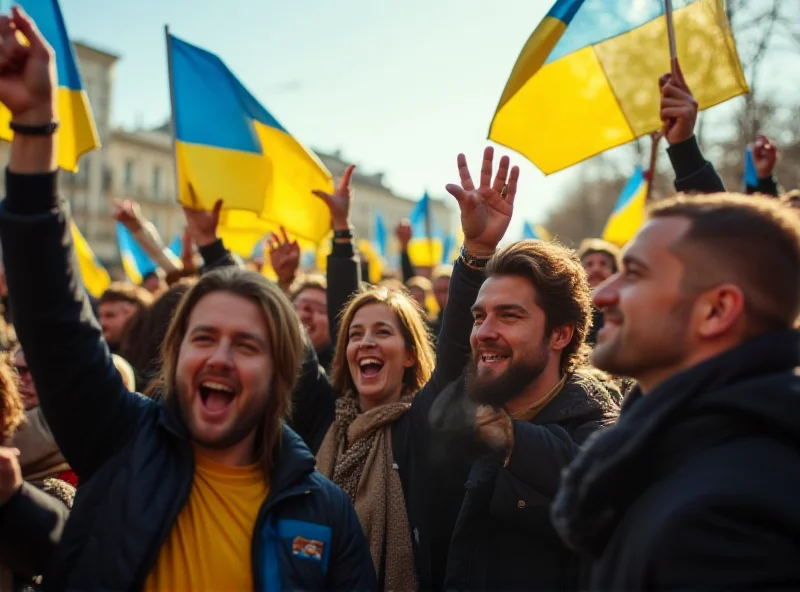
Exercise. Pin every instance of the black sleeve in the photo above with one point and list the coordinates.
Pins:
(453, 349)
(766, 186)
(725, 544)
(693, 173)
(89, 410)
(344, 278)
(313, 402)
(31, 523)
(215, 256)
(406, 266)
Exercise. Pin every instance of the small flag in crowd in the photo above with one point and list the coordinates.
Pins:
(95, 277)
(136, 262)
(586, 80)
(750, 173)
(381, 237)
(77, 133)
(426, 248)
(629, 212)
(374, 262)
(535, 232)
(228, 146)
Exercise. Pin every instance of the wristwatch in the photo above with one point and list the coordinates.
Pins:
(473, 261)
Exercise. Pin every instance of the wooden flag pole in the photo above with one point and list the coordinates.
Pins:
(649, 176)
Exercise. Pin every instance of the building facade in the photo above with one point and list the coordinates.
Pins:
(139, 165)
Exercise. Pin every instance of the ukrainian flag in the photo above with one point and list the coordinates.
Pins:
(374, 262)
(135, 260)
(535, 232)
(95, 278)
(426, 248)
(629, 213)
(750, 172)
(229, 146)
(77, 134)
(576, 92)
(381, 236)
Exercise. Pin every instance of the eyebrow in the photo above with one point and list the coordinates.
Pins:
(502, 308)
(238, 334)
(380, 323)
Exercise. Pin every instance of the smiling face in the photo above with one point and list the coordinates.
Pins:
(224, 375)
(510, 348)
(377, 355)
(312, 307)
(647, 315)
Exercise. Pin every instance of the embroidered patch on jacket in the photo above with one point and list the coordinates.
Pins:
(308, 548)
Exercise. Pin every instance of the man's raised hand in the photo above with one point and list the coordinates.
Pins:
(485, 211)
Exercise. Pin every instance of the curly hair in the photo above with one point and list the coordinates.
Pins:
(11, 408)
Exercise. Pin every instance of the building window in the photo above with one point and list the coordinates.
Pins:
(157, 183)
(129, 175)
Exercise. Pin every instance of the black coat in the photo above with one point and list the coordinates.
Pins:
(503, 538)
(697, 486)
(133, 455)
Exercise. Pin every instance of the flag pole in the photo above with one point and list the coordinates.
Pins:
(649, 176)
(673, 46)
(172, 129)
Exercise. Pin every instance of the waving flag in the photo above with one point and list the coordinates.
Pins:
(95, 277)
(586, 80)
(229, 146)
(750, 173)
(629, 212)
(77, 133)
(381, 237)
(136, 262)
(536, 232)
(426, 248)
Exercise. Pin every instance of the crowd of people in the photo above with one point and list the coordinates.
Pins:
(567, 420)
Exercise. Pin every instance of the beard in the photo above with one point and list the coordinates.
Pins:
(497, 390)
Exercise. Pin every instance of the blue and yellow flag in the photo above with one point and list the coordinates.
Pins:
(587, 79)
(426, 248)
(629, 212)
(136, 262)
(374, 261)
(535, 232)
(228, 146)
(95, 277)
(381, 236)
(77, 133)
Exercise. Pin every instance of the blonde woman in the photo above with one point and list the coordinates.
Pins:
(384, 381)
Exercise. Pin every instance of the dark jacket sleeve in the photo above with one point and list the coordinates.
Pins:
(452, 347)
(724, 544)
(31, 523)
(313, 402)
(215, 256)
(351, 566)
(85, 403)
(406, 266)
(533, 473)
(767, 186)
(693, 173)
(344, 278)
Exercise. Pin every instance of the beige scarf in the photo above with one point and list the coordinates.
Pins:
(357, 455)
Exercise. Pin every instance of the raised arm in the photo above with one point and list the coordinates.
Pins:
(485, 215)
(87, 406)
(693, 173)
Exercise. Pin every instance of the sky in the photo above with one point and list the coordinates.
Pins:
(398, 86)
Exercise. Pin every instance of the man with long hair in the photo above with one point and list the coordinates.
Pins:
(209, 490)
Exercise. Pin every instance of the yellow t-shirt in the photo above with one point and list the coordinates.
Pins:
(209, 546)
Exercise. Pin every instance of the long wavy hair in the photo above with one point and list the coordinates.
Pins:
(412, 327)
(284, 338)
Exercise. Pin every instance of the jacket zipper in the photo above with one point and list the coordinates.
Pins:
(152, 556)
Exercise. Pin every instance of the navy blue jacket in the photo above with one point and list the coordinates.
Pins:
(133, 455)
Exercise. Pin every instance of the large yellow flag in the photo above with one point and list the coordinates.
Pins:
(587, 79)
